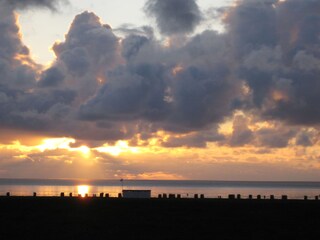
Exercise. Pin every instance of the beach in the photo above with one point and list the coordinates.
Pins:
(113, 218)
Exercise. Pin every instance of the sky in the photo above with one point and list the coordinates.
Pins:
(160, 89)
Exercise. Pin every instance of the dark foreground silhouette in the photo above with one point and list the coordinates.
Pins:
(102, 218)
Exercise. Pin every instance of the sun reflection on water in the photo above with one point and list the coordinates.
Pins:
(83, 190)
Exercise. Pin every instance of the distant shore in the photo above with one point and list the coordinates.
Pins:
(108, 218)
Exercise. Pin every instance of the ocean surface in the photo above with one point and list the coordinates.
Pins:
(187, 189)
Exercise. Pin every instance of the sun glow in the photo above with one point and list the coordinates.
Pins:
(83, 190)
(117, 149)
(62, 143)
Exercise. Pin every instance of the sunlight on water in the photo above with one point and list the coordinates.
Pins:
(83, 190)
(187, 189)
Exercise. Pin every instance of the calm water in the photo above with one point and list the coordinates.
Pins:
(212, 189)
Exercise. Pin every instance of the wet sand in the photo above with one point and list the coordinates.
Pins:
(103, 218)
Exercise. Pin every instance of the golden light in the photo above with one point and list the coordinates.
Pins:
(226, 128)
(83, 190)
(177, 69)
(56, 143)
(279, 96)
(117, 149)
(83, 149)
(63, 143)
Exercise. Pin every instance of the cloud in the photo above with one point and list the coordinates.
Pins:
(182, 95)
(277, 49)
(51, 4)
(120, 87)
(90, 49)
(174, 16)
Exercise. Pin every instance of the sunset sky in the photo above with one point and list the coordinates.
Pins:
(160, 89)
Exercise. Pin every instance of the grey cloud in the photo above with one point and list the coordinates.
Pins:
(304, 139)
(250, 25)
(278, 57)
(115, 88)
(197, 139)
(241, 134)
(90, 49)
(147, 88)
(174, 16)
(51, 4)
(275, 138)
(51, 77)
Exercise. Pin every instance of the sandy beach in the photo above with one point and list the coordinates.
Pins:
(103, 218)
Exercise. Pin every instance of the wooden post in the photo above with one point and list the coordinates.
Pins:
(202, 196)
(62, 194)
(70, 194)
(172, 196)
(101, 194)
(231, 196)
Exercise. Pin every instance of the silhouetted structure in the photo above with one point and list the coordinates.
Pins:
(172, 196)
(231, 196)
(137, 193)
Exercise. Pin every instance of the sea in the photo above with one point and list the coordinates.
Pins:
(186, 188)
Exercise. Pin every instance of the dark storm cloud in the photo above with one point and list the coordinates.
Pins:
(266, 63)
(250, 25)
(176, 98)
(90, 49)
(241, 134)
(22, 4)
(174, 16)
(51, 77)
(277, 48)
